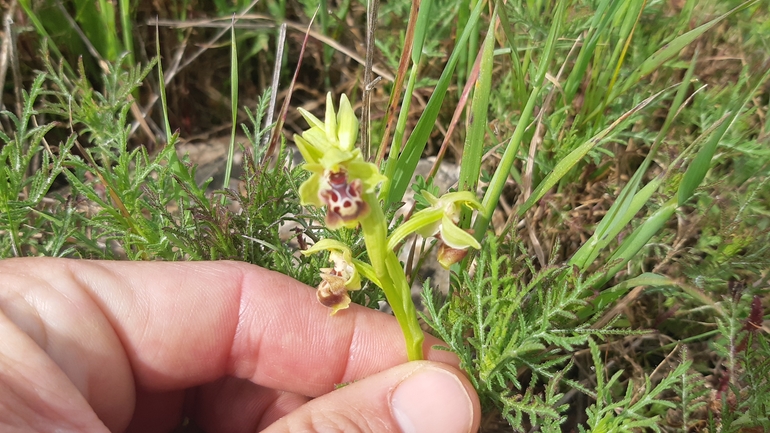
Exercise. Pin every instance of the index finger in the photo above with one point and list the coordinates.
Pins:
(186, 323)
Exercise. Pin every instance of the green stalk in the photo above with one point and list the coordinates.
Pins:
(392, 278)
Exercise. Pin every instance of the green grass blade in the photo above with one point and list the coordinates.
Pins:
(474, 140)
(629, 202)
(701, 164)
(612, 294)
(176, 165)
(162, 88)
(407, 161)
(233, 104)
(466, 62)
(96, 19)
(127, 27)
(40, 29)
(495, 188)
(569, 161)
(671, 49)
(418, 41)
(638, 239)
(395, 92)
(620, 214)
(398, 136)
(420, 30)
(601, 21)
(630, 23)
(517, 75)
(112, 47)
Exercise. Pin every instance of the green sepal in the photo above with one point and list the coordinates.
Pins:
(347, 124)
(330, 120)
(367, 172)
(310, 153)
(338, 250)
(456, 237)
(310, 118)
(308, 191)
(425, 222)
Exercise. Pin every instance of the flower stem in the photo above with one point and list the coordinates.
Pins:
(392, 278)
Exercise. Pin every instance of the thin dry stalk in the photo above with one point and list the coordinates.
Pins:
(372, 7)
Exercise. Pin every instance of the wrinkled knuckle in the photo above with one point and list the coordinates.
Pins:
(336, 422)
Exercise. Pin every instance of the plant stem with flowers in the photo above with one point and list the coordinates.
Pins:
(346, 184)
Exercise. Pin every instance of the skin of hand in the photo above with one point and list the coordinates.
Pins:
(88, 346)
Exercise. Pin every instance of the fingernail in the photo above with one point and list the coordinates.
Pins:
(431, 400)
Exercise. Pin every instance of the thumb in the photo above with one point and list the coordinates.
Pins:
(420, 396)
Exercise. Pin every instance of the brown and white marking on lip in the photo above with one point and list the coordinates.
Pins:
(344, 200)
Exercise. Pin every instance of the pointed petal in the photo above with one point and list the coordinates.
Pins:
(354, 282)
(367, 172)
(465, 197)
(456, 237)
(430, 197)
(317, 137)
(367, 271)
(310, 118)
(347, 124)
(330, 119)
(310, 153)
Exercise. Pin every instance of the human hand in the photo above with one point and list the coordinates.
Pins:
(138, 346)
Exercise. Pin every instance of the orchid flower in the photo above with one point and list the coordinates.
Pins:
(339, 279)
(340, 176)
(343, 182)
(440, 221)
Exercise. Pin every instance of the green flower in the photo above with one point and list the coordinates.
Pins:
(333, 141)
(340, 176)
(337, 280)
(440, 220)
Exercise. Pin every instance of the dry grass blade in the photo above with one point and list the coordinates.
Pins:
(177, 65)
(398, 85)
(7, 47)
(372, 6)
(279, 50)
(220, 23)
(576, 155)
(461, 103)
(278, 129)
